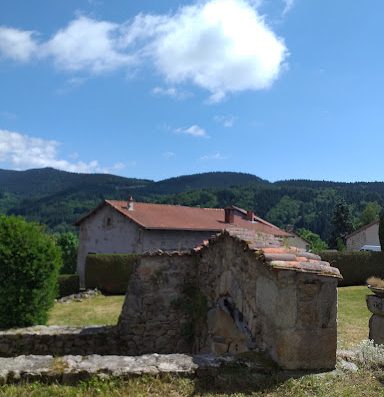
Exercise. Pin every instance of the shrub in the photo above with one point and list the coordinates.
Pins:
(109, 272)
(29, 266)
(69, 244)
(356, 267)
(68, 284)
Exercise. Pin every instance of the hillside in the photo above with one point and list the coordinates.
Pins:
(58, 198)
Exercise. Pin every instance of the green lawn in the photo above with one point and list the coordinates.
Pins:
(353, 327)
(353, 316)
(103, 310)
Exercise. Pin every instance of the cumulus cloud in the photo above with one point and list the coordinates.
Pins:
(223, 46)
(23, 151)
(214, 156)
(86, 44)
(18, 45)
(193, 130)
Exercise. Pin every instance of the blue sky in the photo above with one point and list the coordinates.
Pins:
(278, 88)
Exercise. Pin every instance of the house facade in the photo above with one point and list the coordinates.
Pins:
(120, 227)
(367, 235)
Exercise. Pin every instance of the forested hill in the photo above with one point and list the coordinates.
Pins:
(58, 198)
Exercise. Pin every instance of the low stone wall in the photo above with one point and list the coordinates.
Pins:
(59, 341)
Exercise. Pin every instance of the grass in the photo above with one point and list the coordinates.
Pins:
(353, 316)
(362, 383)
(352, 328)
(97, 310)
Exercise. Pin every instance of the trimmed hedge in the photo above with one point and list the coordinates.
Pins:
(69, 284)
(356, 266)
(109, 273)
(29, 266)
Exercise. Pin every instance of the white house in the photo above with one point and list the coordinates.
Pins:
(366, 235)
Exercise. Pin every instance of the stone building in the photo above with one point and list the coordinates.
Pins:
(366, 235)
(240, 293)
(119, 227)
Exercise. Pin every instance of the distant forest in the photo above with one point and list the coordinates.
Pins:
(57, 198)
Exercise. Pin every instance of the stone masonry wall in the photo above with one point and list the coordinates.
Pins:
(288, 314)
(153, 318)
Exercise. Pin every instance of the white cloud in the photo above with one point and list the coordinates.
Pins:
(18, 45)
(171, 92)
(86, 44)
(288, 5)
(193, 130)
(23, 151)
(225, 121)
(214, 156)
(223, 46)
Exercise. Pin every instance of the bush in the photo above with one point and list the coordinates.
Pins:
(29, 266)
(69, 244)
(68, 284)
(356, 267)
(109, 273)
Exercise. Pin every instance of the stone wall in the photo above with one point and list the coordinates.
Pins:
(154, 318)
(252, 306)
(60, 341)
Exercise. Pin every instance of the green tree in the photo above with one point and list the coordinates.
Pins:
(69, 244)
(341, 224)
(29, 266)
(381, 230)
(370, 213)
(285, 213)
(316, 243)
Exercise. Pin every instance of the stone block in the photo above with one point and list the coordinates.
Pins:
(305, 349)
(376, 329)
(375, 304)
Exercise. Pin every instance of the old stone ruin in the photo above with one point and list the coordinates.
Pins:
(238, 294)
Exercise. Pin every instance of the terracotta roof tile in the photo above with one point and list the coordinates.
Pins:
(278, 256)
(177, 217)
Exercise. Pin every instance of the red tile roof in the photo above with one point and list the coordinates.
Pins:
(277, 256)
(177, 217)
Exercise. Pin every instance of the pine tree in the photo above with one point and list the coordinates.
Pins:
(341, 224)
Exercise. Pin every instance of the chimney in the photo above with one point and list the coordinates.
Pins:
(229, 215)
(130, 203)
(250, 216)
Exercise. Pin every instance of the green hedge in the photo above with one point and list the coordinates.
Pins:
(356, 267)
(109, 273)
(68, 284)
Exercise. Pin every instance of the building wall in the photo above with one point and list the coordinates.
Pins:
(297, 242)
(289, 315)
(172, 240)
(368, 236)
(107, 232)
